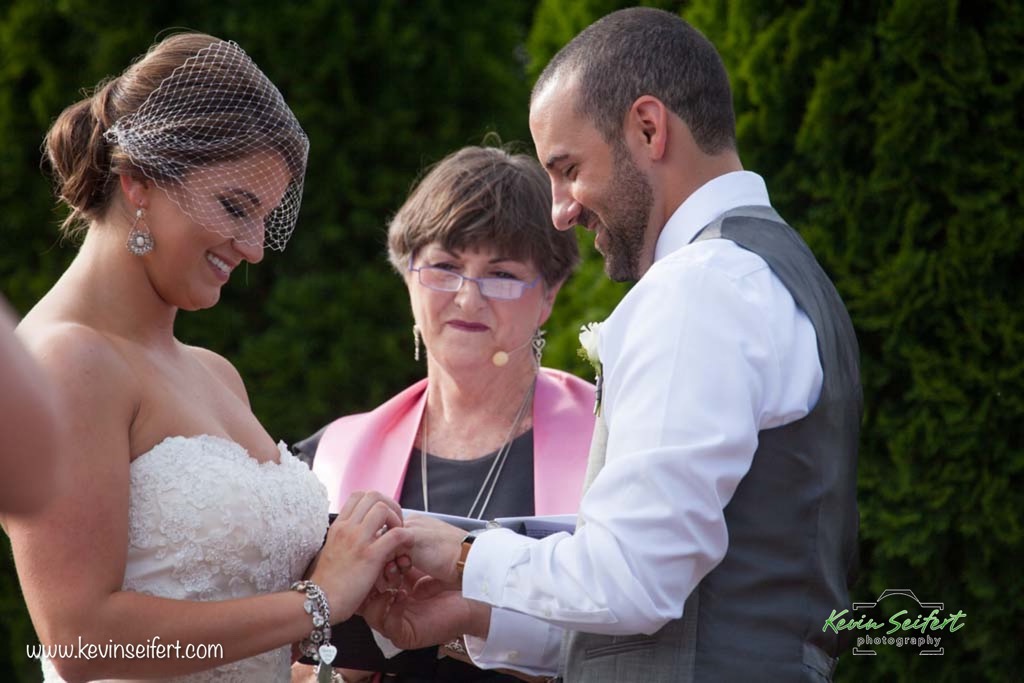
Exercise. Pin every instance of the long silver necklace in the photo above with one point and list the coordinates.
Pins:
(493, 474)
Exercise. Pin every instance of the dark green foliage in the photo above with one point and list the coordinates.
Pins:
(381, 88)
(890, 134)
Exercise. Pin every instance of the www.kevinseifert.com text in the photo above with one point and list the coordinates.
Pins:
(151, 649)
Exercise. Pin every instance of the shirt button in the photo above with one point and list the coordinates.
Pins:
(485, 589)
(513, 655)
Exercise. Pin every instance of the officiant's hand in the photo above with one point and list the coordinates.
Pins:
(366, 536)
(414, 618)
(434, 550)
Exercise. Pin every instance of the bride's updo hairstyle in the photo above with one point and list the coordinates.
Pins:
(191, 104)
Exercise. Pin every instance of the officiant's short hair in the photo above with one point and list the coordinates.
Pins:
(484, 197)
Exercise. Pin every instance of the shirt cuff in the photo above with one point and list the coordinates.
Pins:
(517, 641)
(486, 570)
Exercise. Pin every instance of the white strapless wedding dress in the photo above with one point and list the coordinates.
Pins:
(208, 522)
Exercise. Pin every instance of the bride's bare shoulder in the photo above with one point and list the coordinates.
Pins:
(71, 352)
(221, 368)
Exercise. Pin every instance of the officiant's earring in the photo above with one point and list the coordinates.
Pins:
(415, 342)
(538, 342)
(140, 241)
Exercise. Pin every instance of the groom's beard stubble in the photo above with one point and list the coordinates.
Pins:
(629, 201)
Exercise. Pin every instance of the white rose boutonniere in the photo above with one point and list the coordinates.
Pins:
(589, 336)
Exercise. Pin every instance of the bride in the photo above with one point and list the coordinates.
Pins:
(186, 525)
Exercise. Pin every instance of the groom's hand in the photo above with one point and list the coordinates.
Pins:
(432, 619)
(434, 550)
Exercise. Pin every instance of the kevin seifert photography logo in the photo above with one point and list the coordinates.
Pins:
(911, 624)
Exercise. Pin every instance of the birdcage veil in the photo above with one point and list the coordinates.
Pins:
(218, 138)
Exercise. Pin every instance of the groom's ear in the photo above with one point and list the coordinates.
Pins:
(647, 124)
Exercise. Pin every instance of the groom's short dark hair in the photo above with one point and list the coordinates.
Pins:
(644, 51)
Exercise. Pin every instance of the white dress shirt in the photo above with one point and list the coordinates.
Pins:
(706, 350)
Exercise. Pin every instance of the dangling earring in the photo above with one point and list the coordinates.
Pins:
(415, 342)
(140, 242)
(537, 342)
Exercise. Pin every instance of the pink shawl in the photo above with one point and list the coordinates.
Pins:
(370, 451)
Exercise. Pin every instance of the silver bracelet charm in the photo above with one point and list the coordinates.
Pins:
(318, 645)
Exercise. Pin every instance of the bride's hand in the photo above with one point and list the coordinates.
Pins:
(366, 535)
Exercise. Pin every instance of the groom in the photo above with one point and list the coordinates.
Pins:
(720, 531)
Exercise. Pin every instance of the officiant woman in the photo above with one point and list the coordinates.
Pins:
(489, 432)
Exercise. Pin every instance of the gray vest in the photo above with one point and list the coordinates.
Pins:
(792, 522)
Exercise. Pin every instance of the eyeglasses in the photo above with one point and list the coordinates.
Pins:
(442, 280)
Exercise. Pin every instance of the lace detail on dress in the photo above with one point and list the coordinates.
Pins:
(208, 522)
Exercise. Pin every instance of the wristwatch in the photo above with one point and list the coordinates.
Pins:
(467, 543)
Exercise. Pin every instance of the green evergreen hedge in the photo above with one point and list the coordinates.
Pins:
(890, 134)
(382, 89)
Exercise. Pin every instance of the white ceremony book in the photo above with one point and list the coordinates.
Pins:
(532, 526)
